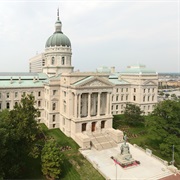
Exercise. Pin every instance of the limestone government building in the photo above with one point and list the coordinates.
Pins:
(81, 104)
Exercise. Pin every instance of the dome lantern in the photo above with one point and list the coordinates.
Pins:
(58, 38)
(58, 23)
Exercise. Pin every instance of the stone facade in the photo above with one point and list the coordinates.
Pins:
(81, 104)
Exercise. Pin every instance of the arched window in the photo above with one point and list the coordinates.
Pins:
(53, 106)
(63, 61)
(52, 60)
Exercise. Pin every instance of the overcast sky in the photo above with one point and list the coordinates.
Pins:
(102, 33)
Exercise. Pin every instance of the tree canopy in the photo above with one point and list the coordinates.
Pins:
(133, 114)
(18, 129)
(51, 159)
(164, 127)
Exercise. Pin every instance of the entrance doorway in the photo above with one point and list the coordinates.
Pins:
(93, 127)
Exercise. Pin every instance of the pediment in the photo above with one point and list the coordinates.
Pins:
(95, 82)
(54, 99)
(149, 83)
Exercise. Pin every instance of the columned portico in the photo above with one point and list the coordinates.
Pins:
(91, 104)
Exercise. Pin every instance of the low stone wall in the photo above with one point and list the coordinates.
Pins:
(152, 155)
(82, 140)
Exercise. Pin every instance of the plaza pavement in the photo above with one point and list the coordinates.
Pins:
(150, 168)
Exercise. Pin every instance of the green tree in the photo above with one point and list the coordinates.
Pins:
(167, 95)
(21, 129)
(173, 96)
(133, 114)
(164, 127)
(51, 159)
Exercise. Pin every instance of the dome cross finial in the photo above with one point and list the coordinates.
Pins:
(58, 13)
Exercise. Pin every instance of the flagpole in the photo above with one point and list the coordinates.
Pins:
(173, 156)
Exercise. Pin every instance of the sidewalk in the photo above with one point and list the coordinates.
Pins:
(149, 168)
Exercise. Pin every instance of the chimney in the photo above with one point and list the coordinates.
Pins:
(112, 69)
(11, 80)
(19, 79)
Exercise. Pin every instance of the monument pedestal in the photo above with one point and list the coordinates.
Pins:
(124, 158)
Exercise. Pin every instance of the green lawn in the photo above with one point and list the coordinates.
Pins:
(139, 135)
(75, 166)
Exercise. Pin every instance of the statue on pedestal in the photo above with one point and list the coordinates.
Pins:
(124, 158)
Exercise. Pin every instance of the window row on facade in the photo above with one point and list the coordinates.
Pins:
(64, 61)
(16, 94)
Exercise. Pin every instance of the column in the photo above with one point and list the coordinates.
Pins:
(79, 105)
(107, 103)
(75, 106)
(110, 102)
(98, 108)
(89, 104)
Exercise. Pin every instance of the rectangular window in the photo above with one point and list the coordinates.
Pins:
(16, 94)
(152, 98)
(122, 90)
(7, 105)
(39, 93)
(84, 127)
(7, 95)
(126, 97)
(134, 89)
(102, 124)
(64, 93)
(134, 98)
(117, 97)
(126, 89)
(53, 106)
(39, 103)
(54, 118)
(122, 98)
(65, 108)
(63, 121)
(116, 107)
(117, 90)
(54, 92)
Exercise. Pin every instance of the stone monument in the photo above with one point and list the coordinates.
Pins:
(124, 158)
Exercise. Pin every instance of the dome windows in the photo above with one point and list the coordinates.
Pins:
(63, 60)
(52, 61)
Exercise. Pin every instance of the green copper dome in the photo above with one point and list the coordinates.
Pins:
(58, 39)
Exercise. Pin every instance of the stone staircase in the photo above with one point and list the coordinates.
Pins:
(102, 141)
